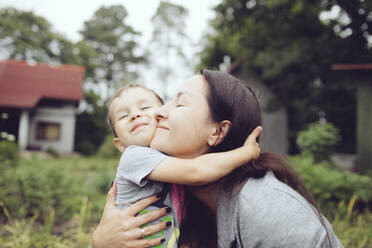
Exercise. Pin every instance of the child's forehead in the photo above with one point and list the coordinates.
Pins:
(138, 94)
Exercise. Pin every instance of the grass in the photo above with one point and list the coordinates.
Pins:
(70, 221)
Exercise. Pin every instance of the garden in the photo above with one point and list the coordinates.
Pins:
(56, 201)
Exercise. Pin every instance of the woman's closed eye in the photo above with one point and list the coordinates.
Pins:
(180, 104)
(145, 107)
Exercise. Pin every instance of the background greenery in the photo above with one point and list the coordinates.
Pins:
(57, 201)
(290, 46)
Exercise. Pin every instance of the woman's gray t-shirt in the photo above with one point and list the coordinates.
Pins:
(268, 213)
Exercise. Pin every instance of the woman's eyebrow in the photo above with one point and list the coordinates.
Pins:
(179, 94)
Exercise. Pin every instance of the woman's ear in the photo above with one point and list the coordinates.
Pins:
(118, 144)
(219, 133)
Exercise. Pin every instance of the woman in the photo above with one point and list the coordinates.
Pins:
(254, 206)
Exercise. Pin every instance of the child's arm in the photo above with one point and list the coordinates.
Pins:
(208, 167)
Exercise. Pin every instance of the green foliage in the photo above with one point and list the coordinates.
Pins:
(114, 41)
(86, 148)
(287, 46)
(331, 186)
(168, 39)
(53, 152)
(9, 153)
(91, 127)
(318, 140)
(37, 187)
(69, 221)
(355, 228)
(26, 233)
(26, 36)
(107, 149)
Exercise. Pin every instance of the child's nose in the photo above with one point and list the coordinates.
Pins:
(135, 116)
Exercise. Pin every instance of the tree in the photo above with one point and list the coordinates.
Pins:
(286, 45)
(91, 125)
(114, 42)
(168, 39)
(26, 36)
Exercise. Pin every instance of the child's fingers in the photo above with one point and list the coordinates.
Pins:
(253, 135)
(256, 132)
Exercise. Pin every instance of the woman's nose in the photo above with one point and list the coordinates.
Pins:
(161, 113)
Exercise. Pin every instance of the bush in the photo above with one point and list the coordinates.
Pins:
(318, 140)
(38, 189)
(9, 153)
(53, 152)
(331, 186)
(86, 148)
(107, 149)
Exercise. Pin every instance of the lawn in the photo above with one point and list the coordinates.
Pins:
(56, 202)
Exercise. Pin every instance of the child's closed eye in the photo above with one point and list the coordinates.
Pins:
(123, 116)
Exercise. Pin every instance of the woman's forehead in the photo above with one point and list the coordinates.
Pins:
(193, 86)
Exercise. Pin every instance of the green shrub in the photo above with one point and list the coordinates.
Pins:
(86, 148)
(318, 140)
(9, 153)
(41, 189)
(50, 150)
(38, 186)
(107, 149)
(331, 186)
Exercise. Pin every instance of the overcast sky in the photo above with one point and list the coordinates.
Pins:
(68, 16)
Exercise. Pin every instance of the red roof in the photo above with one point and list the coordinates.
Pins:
(352, 67)
(23, 85)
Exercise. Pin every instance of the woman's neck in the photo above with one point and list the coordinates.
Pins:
(208, 194)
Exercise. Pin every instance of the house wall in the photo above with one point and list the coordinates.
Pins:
(274, 137)
(65, 116)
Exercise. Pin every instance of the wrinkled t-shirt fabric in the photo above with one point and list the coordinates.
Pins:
(268, 213)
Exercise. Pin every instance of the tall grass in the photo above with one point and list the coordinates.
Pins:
(72, 214)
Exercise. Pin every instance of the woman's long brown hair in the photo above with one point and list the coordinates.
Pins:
(229, 99)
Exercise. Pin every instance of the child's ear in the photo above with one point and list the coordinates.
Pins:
(118, 144)
(219, 133)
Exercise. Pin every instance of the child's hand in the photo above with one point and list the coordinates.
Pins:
(251, 143)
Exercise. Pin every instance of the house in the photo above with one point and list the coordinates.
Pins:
(361, 75)
(38, 103)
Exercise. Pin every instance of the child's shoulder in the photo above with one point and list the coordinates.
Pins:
(134, 152)
(136, 148)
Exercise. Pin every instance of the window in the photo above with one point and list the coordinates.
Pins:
(47, 131)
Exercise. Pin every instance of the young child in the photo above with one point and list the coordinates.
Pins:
(132, 119)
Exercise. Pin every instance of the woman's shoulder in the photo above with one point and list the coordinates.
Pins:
(269, 188)
(270, 211)
(270, 199)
